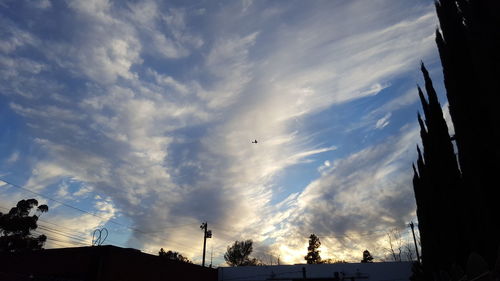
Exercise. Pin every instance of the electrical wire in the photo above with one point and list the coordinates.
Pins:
(100, 217)
(84, 240)
(61, 240)
(152, 234)
(65, 204)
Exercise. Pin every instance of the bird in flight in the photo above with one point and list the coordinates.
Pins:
(255, 141)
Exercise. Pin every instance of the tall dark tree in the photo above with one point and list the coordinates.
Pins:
(455, 188)
(239, 254)
(468, 44)
(367, 257)
(171, 255)
(17, 224)
(437, 184)
(313, 256)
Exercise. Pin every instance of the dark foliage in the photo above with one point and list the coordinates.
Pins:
(16, 227)
(313, 256)
(456, 191)
(332, 261)
(239, 254)
(367, 257)
(173, 256)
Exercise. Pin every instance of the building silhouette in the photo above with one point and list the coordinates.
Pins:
(97, 263)
(456, 178)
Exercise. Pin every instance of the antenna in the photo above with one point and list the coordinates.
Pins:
(99, 236)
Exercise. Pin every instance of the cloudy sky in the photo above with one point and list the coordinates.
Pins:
(139, 116)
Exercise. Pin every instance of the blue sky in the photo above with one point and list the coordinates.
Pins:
(143, 113)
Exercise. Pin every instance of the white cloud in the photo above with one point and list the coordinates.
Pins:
(45, 174)
(246, 4)
(14, 37)
(228, 61)
(447, 118)
(352, 198)
(95, 9)
(41, 4)
(170, 82)
(169, 138)
(168, 48)
(301, 155)
(46, 112)
(343, 68)
(13, 157)
(230, 54)
(84, 190)
(63, 190)
(400, 101)
(384, 121)
(73, 228)
(169, 35)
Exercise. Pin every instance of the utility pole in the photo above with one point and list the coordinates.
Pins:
(206, 234)
(415, 241)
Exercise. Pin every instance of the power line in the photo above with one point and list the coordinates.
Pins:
(81, 236)
(54, 235)
(61, 226)
(62, 244)
(83, 240)
(80, 239)
(61, 240)
(60, 202)
(85, 211)
(69, 231)
(72, 243)
(95, 215)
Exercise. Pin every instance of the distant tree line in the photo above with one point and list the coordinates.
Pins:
(238, 254)
(16, 227)
(172, 255)
(313, 256)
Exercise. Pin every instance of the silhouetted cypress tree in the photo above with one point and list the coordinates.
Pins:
(313, 256)
(456, 204)
(469, 44)
(437, 184)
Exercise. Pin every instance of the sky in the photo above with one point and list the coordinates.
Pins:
(139, 117)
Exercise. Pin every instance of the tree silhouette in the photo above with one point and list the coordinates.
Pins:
(239, 254)
(17, 224)
(395, 243)
(456, 177)
(367, 257)
(176, 256)
(313, 256)
(332, 261)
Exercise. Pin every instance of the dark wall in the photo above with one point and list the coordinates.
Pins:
(97, 263)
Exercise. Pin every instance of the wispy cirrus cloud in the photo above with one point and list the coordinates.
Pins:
(364, 194)
(155, 107)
